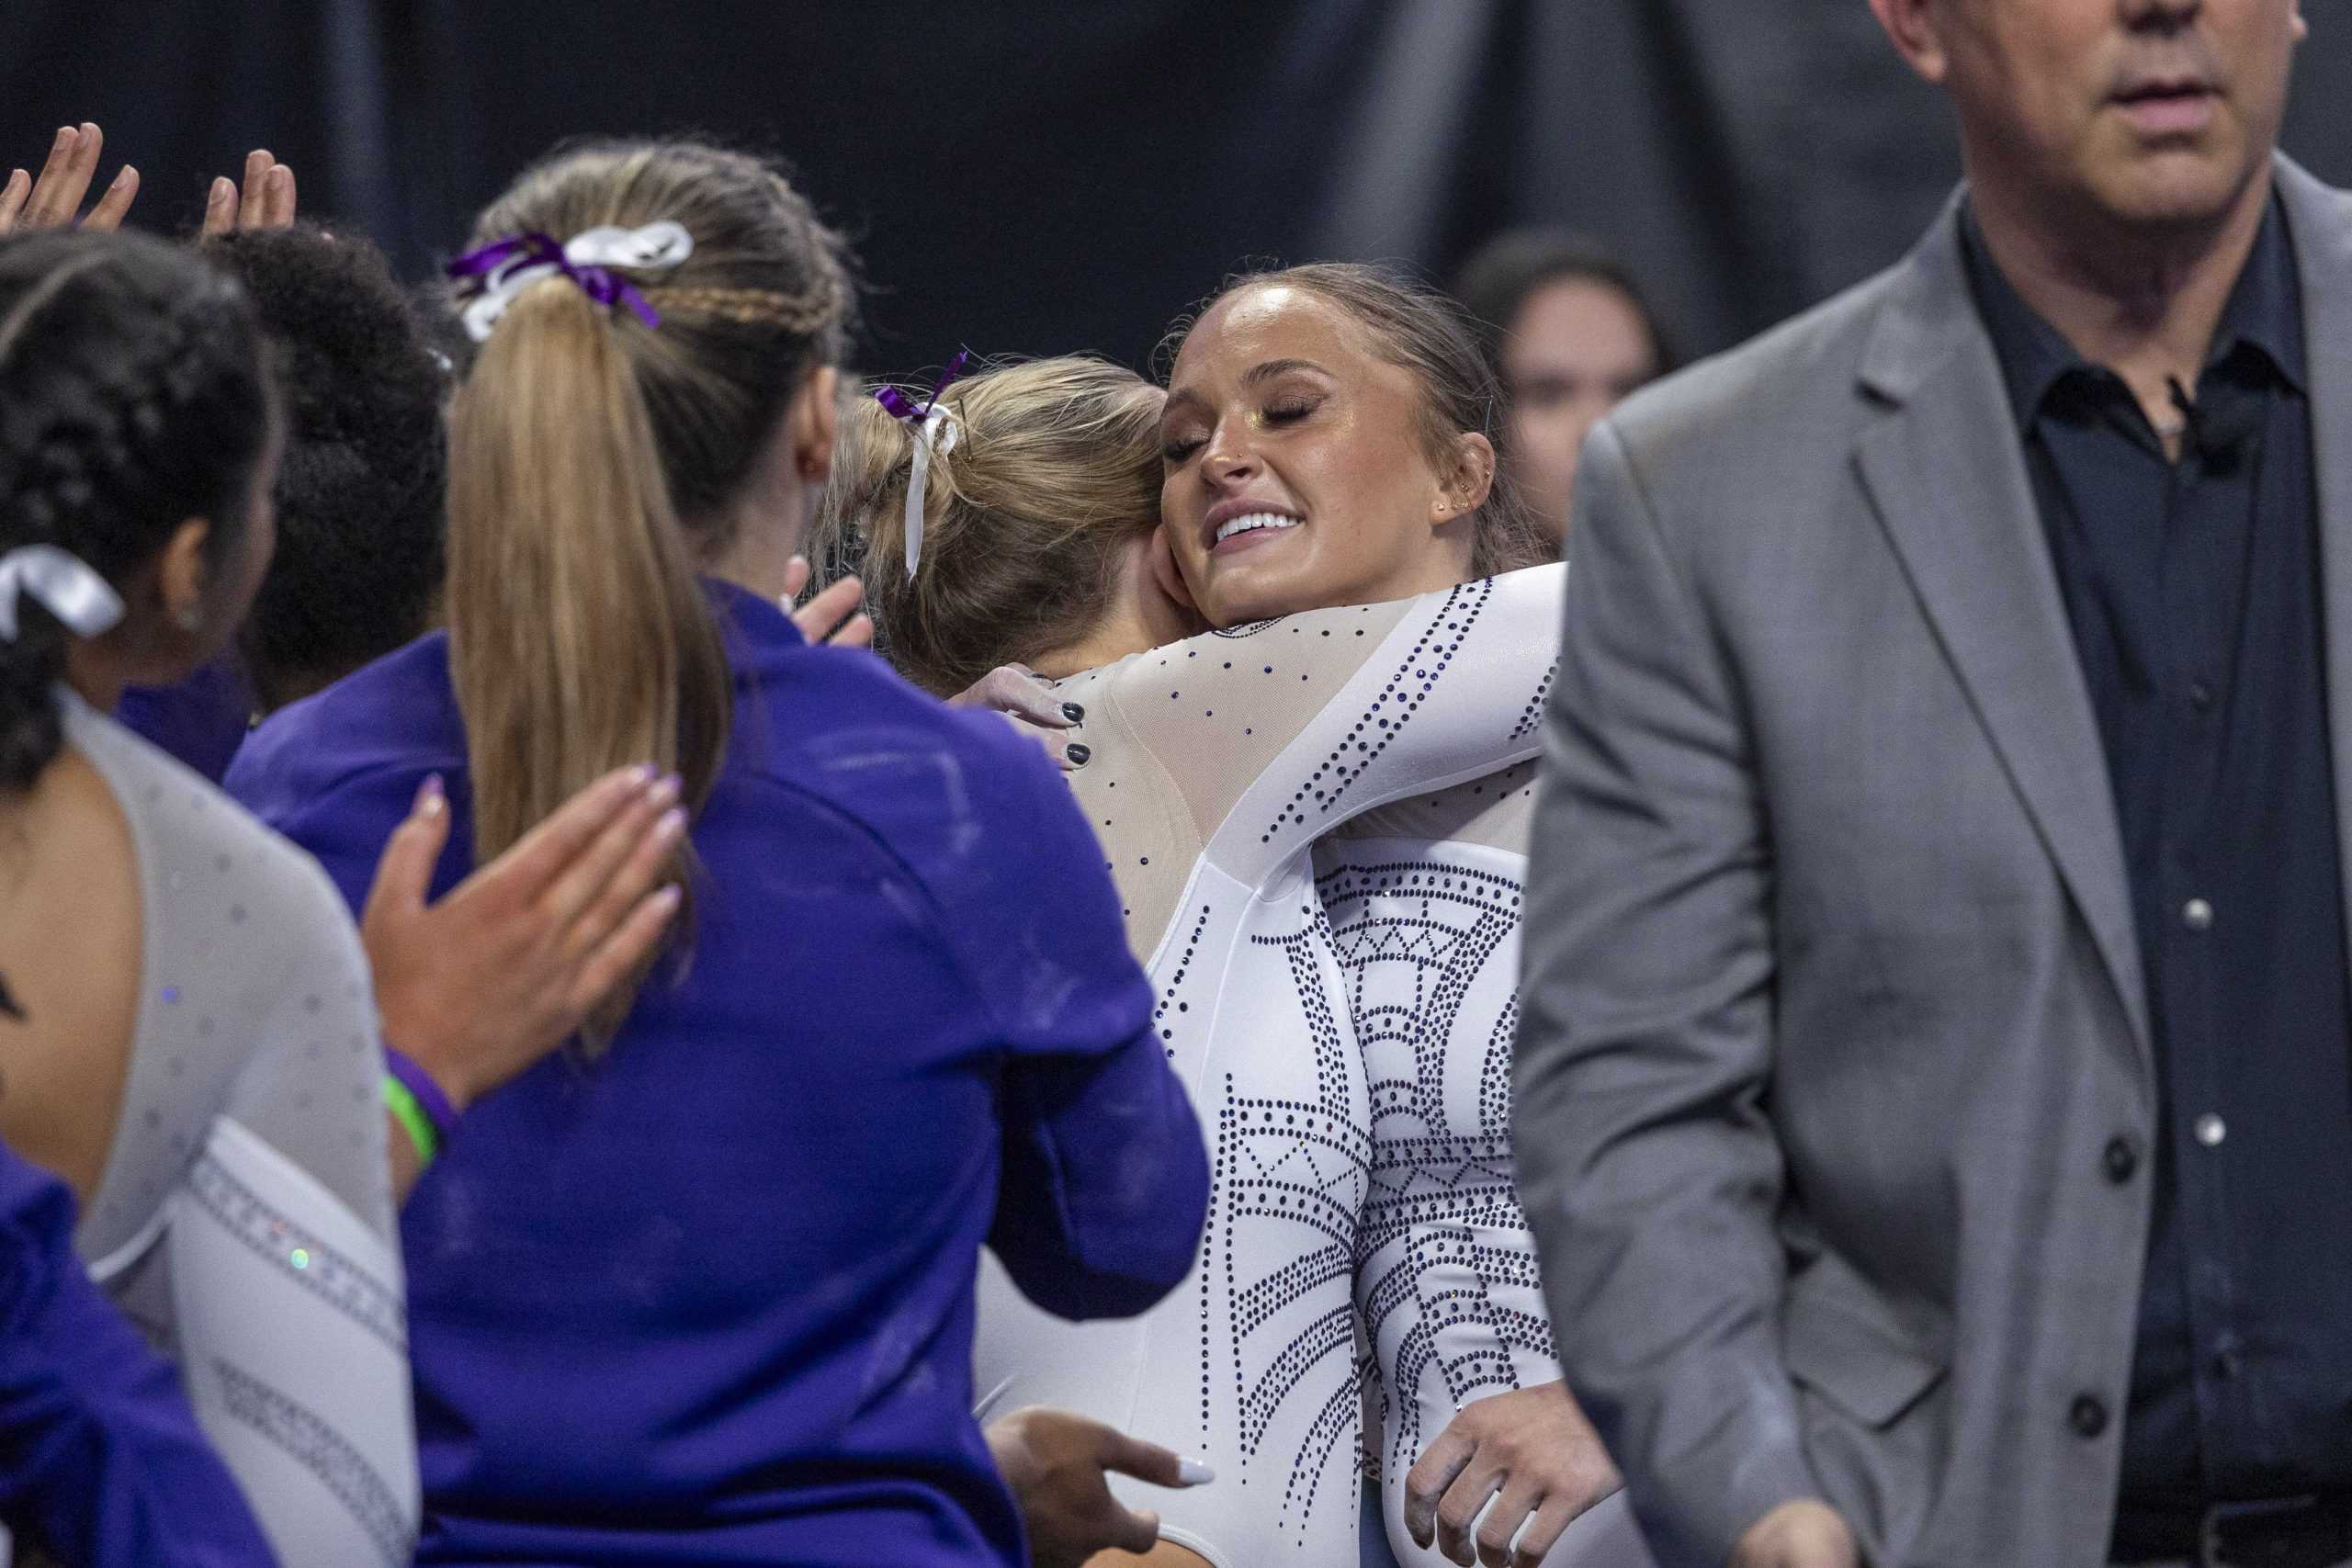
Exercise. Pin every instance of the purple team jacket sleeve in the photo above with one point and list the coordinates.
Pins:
(1106, 1182)
(1105, 1177)
(100, 1459)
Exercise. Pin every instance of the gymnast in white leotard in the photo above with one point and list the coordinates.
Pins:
(1210, 767)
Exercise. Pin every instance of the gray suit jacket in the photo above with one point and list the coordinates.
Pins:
(1835, 1090)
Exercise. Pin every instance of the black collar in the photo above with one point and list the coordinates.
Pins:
(2264, 318)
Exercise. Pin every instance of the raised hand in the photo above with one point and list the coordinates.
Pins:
(832, 618)
(1529, 1450)
(508, 966)
(265, 201)
(54, 199)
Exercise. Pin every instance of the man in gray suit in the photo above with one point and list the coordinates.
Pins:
(1934, 1092)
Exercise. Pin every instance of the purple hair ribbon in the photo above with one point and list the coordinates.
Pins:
(932, 427)
(505, 267)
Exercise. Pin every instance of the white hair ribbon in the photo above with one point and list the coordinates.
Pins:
(84, 601)
(939, 428)
(507, 267)
(927, 422)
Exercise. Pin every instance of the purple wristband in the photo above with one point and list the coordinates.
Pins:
(429, 1098)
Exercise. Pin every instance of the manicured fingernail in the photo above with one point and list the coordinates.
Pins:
(124, 176)
(667, 898)
(643, 774)
(1192, 1472)
(673, 823)
(65, 138)
(664, 792)
(1079, 755)
(1073, 713)
(430, 799)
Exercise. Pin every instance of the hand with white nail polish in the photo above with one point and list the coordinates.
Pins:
(1057, 1465)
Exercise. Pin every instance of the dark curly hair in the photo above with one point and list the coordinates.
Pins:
(133, 396)
(360, 491)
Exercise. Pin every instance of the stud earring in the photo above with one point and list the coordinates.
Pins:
(189, 618)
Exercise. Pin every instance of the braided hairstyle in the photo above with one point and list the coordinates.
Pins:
(133, 397)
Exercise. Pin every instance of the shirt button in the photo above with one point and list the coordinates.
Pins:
(2088, 1415)
(2196, 915)
(2200, 696)
(2210, 1130)
(2120, 1159)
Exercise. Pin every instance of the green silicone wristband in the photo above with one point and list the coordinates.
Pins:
(410, 1115)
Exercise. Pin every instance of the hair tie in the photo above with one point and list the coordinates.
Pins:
(62, 583)
(508, 266)
(936, 426)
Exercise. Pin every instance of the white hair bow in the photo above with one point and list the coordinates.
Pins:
(84, 601)
(508, 266)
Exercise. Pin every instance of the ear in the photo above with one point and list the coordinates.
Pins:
(1468, 479)
(1165, 572)
(183, 576)
(1911, 24)
(816, 424)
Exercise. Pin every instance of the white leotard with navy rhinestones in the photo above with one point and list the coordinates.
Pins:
(245, 1216)
(1423, 896)
(1215, 764)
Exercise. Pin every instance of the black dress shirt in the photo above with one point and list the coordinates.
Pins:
(2193, 590)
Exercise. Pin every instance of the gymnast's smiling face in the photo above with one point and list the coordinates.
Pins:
(1298, 470)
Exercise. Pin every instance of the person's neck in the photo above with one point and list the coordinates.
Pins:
(2142, 300)
(1121, 634)
(762, 551)
(95, 675)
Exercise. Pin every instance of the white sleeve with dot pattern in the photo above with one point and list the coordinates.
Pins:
(1223, 759)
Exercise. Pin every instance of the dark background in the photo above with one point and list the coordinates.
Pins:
(1040, 175)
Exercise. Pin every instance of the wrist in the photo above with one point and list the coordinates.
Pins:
(421, 1102)
(422, 1050)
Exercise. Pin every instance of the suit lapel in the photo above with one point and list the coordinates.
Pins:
(1945, 472)
(2320, 222)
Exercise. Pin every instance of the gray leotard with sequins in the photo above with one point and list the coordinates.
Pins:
(245, 1216)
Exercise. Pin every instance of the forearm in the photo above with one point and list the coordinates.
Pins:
(1105, 1182)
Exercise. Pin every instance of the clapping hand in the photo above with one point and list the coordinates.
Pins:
(481, 984)
(54, 199)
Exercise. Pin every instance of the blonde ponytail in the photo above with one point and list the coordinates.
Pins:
(580, 640)
(595, 465)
